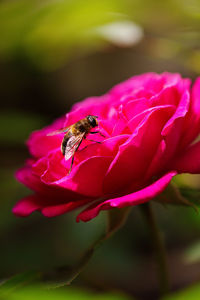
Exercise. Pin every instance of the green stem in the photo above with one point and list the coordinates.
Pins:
(159, 247)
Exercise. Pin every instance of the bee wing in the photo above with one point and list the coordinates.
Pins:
(73, 144)
(66, 129)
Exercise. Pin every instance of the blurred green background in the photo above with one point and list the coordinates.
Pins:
(52, 54)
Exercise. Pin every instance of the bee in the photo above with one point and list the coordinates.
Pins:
(74, 136)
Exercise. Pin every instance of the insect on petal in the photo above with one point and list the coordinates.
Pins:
(72, 145)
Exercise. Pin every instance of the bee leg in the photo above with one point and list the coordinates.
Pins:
(71, 164)
(83, 148)
(93, 132)
(102, 134)
(93, 141)
(88, 145)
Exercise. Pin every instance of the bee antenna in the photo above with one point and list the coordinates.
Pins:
(96, 117)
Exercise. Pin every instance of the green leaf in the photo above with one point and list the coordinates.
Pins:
(173, 195)
(18, 281)
(37, 292)
(190, 293)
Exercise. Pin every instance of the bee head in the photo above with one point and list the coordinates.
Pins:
(92, 120)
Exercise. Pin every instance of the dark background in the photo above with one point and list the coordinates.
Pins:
(53, 54)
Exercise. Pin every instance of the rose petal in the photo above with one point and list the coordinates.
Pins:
(196, 97)
(191, 127)
(97, 106)
(180, 112)
(157, 162)
(135, 107)
(139, 197)
(108, 147)
(86, 178)
(134, 156)
(169, 95)
(136, 120)
(27, 205)
(146, 85)
(120, 124)
(56, 210)
(56, 167)
(189, 161)
(173, 129)
(32, 181)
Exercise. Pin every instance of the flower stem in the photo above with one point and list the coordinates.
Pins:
(159, 247)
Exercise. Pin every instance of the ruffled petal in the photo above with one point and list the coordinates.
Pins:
(180, 112)
(32, 181)
(108, 147)
(196, 98)
(56, 210)
(49, 208)
(121, 123)
(147, 85)
(173, 129)
(56, 167)
(189, 161)
(27, 205)
(97, 106)
(191, 128)
(135, 155)
(136, 198)
(134, 107)
(86, 178)
(156, 164)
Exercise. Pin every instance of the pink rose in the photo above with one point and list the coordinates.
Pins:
(149, 122)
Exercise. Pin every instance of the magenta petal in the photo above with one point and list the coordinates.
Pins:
(196, 97)
(189, 161)
(173, 129)
(55, 167)
(139, 197)
(49, 208)
(46, 191)
(56, 210)
(135, 107)
(135, 155)
(31, 180)
(40, 144)
(108, 147)
(136, 120)
(87, 177)
(157, 161)
(192, 122)
(97, 106)
(148, 84)
(121, 123)
(26, 206)
(181, 111)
